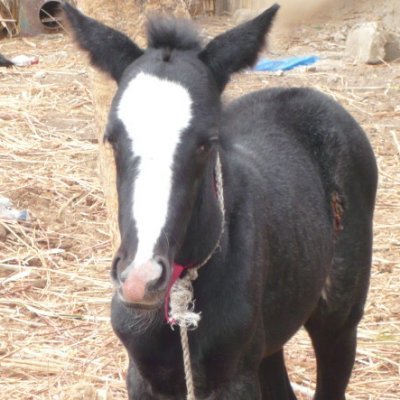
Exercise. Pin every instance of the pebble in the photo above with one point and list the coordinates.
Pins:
(311, 69)
(40, 75)
(333, 79)
(39, 283)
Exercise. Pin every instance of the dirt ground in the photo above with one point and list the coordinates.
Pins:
(55, 336)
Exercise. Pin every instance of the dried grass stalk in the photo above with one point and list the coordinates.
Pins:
(9, 16)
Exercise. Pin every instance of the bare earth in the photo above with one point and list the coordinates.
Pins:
(55, 336)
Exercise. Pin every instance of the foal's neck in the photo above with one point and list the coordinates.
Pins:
(206, 222)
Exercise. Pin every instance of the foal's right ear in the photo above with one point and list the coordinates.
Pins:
(109, 50)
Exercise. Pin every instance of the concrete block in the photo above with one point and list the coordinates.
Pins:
(392, 48)
(366, 43)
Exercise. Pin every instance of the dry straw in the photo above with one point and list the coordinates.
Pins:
(9, 17)
(55, 337)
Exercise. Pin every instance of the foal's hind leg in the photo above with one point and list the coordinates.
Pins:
(333, 325)
(274, 380)
(335, 354)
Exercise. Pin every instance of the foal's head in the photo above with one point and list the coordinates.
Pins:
(163, 126)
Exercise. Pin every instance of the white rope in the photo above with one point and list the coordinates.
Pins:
(182, 313)
(181, 302)
(181, 299)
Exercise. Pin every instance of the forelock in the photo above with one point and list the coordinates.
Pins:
(172, 33)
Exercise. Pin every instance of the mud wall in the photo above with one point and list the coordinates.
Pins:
(295, 11)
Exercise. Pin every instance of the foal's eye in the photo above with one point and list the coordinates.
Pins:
(206, 146)
(203, 148)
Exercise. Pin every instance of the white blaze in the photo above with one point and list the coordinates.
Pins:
(154, 112)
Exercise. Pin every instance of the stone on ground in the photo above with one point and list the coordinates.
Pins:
(369, 43)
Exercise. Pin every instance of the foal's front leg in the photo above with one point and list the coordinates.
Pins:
(139, 388)
(242, 387)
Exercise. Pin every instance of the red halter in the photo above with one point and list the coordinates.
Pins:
(177, 271)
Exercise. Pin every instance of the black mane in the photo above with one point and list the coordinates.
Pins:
(171, 33)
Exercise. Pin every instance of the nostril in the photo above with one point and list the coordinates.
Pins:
(160, 282)
(161, 261)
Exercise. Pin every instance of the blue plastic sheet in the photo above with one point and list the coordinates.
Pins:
(285, 64)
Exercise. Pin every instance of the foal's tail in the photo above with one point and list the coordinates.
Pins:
(340, 148)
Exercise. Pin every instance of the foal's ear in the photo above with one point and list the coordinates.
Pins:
(109, 50)
(237, 48)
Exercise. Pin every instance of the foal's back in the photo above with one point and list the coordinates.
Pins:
(284, 130)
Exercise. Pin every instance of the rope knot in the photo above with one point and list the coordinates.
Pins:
(182, 304)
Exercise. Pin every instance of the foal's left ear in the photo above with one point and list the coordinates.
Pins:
(237, 48)
(109, 50)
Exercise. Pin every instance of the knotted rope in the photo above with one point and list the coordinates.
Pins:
(181, 297)
(182, 314)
